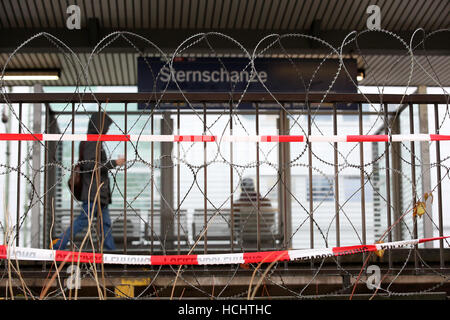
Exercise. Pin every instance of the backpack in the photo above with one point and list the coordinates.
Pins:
(75, 175)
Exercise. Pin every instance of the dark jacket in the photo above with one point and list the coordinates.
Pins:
(88, 154)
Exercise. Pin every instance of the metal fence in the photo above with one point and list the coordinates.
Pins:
(165, 225)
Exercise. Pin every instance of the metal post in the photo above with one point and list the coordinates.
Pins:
(310, 176)
(6, 194)
(396, 180)
(439, 186)
(167, 183)
(362, 183)
(281, 208)
(19, 158)
(258, 202)
(425, 167)
(413, 179)
(361, 174)
(178, 180)
(388, 179)
(97, 186)
(231, 182)
(287, 184)
(205, 184)
(73, 177)
(44, 223)
(36, 165)
(336, 180)
(285, 181)
(152, 171)
(125, 236)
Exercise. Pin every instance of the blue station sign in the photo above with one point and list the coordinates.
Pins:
(275, 75)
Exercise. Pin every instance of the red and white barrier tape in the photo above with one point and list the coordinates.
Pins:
(31, 254)
(207, 138)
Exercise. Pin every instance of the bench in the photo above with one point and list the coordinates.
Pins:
(218, 233)
(154, 234)
(245, 227)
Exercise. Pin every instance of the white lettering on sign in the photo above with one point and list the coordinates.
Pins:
(216, 76)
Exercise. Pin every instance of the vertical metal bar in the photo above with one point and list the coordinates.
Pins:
(388, 179)
(287, 182)
(336, 179)
(167, 179)
(44, 220)
(396, 180)
(284, 149)
(6, 195)
(310, 176)
(97, 185)
(19, 158)
(281, 190)
(425, 167)
(178, 179)
(36, 167)
(44, 223)
(258, 202)
(205, 198)
(361, 176)
(72, 155)
(413, 179)
(231, 182)
(152, 171)
(439, 185)
(125, 236)
(167, 206)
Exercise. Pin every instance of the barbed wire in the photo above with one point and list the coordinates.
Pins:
(370, 168)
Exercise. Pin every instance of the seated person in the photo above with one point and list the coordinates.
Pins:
(245, 216)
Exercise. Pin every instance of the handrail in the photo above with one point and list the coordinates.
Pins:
(222, 97)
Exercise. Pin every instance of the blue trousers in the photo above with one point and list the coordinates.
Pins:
(81, 222)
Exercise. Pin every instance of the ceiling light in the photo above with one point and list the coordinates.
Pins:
(31, 74)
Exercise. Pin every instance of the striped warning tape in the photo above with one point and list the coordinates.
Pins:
(208, 138)
(31, 254)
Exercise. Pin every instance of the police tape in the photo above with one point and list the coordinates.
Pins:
(31, 254)
(225, 138)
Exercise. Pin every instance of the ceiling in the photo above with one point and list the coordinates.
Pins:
(168, 23)
(397, 15)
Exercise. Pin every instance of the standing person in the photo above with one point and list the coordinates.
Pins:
(94, 167)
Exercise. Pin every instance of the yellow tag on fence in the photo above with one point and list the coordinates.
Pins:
(419, 209)
(379, 253)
